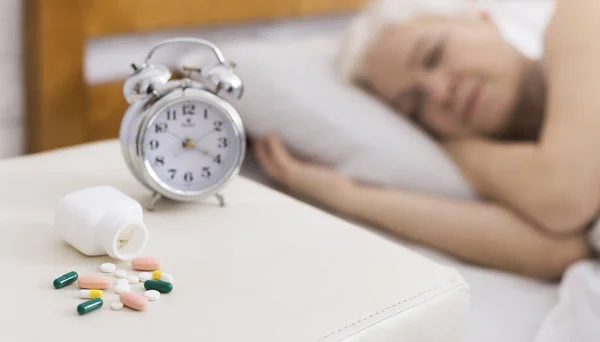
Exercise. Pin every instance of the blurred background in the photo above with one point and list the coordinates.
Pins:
(62, 62)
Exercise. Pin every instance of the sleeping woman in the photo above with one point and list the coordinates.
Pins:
(525, 133)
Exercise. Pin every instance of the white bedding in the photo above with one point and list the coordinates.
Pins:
(576, 315)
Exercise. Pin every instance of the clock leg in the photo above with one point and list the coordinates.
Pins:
(221, 199)
(155, 197)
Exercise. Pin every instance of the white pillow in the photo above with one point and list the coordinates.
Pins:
(291, 90)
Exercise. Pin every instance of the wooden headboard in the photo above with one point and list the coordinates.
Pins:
(62, 110)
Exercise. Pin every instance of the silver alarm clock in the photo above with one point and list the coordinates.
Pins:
(181, 138)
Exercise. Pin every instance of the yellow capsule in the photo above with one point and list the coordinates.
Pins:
(90, 294)
(160, 275)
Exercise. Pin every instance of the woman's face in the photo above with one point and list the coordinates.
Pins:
(457, 77)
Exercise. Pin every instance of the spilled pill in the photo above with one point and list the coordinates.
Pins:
(108, 267)
(97, 282)
(145, 276)
(65, 279)
(134, 301)
(122, 281)
(152, 295)
(146, 264)
(89, 306)
(121, 274)
(122, 288)
(159, 275)
(90, 294)
(160, 286)
(133, 279)
(116, 306)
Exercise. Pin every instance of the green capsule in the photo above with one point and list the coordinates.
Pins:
(89, 306)
(160, 286)
(65, 279)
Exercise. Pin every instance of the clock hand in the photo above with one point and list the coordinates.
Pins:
(189, 144)
(183, 143)
(205, 152)
(204, 135)
(176, 136)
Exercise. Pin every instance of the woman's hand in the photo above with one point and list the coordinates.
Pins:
(315, 182)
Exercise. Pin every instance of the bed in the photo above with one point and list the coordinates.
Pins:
(74, 96)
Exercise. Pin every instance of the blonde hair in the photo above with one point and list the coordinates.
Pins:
(379, 15)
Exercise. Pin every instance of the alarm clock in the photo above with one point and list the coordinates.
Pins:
(181, 137)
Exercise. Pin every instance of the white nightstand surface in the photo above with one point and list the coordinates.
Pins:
(265, 268)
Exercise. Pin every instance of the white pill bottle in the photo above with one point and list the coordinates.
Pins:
(102, 220)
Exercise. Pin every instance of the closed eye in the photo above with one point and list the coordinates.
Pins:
(435, 55)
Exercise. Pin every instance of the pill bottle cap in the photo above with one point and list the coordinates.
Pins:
(122, 236)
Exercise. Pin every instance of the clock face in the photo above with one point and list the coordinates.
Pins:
(190, 146)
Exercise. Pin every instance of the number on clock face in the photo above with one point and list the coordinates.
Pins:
(190, 145)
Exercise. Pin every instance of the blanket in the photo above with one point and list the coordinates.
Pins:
(576, 315)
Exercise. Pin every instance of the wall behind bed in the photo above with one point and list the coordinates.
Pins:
(11, 82)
